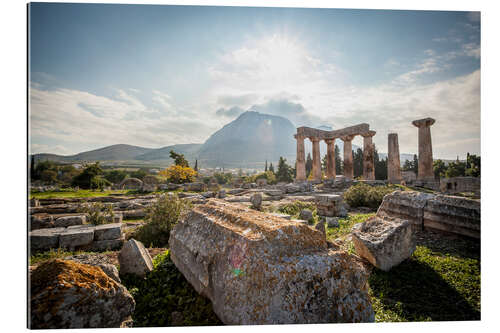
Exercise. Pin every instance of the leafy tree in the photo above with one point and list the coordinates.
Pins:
(140, 174)
(178, 174)
(309, 164)
(338, 161)
(357, 161)
(415, 163)
(42, 166)
(271, 167)
(473, 165)
(32, 167)
(455, 169)
(380, 166)
(98, 182)
(49, 176)
(115, 176)
(223, 178)
(411, 165)
(285, 172)
(439, 168)
(97, 212)
(84, 179)
(269, 176)
(179, 159)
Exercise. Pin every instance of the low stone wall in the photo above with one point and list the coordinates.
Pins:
(78, 237)
(447, 213)
(460, 184)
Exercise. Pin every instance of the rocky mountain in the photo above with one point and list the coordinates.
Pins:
(250, 139)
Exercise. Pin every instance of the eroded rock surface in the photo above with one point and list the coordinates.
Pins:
(385, 243)
(135, 259)
(257, 268)
(67, 294)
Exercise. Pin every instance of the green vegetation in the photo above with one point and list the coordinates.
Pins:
(285, 173)
(58, 253)
(295, 207)
(269, 176)
(364, 195)
(90, 177)
(165, 290)
(160, 219)
(97, 212)
(345, 225)
(432, 285)
(70, 193)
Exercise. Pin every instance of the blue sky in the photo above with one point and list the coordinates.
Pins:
(155, 75)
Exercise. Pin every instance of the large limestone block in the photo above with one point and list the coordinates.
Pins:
(67, 294)
(453, 214)
(407, 205)
(72, 238)
(44, 239)
(385, 243)
(257, 268)
(66, 221)
(135, 259)
(108, 231)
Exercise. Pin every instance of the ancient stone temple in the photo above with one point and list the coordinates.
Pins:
(425, 170)
(345, 134)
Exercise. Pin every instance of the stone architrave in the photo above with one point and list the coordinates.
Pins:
(301, 160)
(348, 167)
(425, 170)
(330, 159)
(316, 167)
(393, 161)
(368, 156)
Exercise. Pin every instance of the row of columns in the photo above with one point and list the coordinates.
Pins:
(368, 157)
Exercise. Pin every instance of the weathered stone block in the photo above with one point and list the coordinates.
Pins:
(108, 231)
(134, 259)
(66, 221)
(256, 200)
(407, 205)
(104, 245)
(385, 243)
(260, 269)
(74, 237)
(453, 214)
(45, 239)
(282, 216)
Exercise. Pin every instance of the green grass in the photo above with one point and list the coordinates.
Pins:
(163, 291)
(429, 286)
(55, 254)
(77, 194)
(346, 225)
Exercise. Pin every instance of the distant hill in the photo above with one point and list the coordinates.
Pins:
(119, 152)
(250, 140)
(189, 150)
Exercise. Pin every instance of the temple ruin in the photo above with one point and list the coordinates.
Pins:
(345, 134)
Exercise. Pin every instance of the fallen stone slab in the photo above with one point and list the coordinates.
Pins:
(283, 216)
(385, 243)
(274, 193)
(453, 214)
(257, 268)
(66, 221)
(238, 199)
(108, 231)
(45, 239)
(68, 294)
(72, 238)
(135, 259)
(407, 205)
(41, 222)
(104, 245)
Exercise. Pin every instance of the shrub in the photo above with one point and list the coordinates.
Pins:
(179, 174)
(160, 219)
(99, 183)
(364, 195)
(97, 212)
(295, 207)
(163, 291)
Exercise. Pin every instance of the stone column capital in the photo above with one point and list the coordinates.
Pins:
(330, 141)
(299, 137)
(347, 138)
(314, 139)
(368, 134)
(426, 122)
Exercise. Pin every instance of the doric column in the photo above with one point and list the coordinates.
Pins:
(316, 167)
(348, 169)
(368, 156)
(330, 159)
(393, 162)
(425, 169)
(301, 159)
